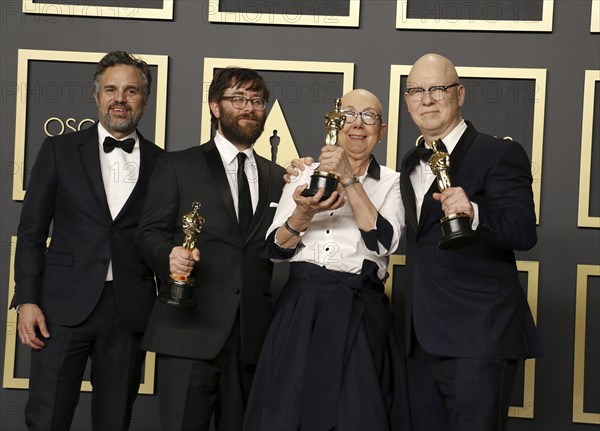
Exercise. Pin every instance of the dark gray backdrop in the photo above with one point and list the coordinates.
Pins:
(566, 53)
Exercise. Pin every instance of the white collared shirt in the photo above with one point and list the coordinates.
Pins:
(120, 172)
(228, 153)
(332, 239)
(422, 177)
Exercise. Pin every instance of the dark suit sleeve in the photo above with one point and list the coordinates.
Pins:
(32, 233)
(506, 208)
(154, 236)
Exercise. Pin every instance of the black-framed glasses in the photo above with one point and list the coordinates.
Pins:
(368, 117)
(240, 102)
(437, 92)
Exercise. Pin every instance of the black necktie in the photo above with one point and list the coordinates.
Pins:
(244, 200)
(111, 143)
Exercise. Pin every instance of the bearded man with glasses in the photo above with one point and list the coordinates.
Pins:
(207, 353)
(466, 319)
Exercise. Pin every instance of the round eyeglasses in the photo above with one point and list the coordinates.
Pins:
(240, 102)
(437, 92)
(368, 117)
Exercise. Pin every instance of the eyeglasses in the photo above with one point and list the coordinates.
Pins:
(368, 117)
(437, 92)
(240, 102)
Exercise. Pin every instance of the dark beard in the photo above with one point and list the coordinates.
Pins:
(238, 135)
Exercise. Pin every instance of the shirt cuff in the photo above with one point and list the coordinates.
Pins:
(475, 222)
(382, 233)
(273, 251)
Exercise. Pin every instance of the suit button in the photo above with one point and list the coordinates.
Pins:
(236, 291)
(104, 261)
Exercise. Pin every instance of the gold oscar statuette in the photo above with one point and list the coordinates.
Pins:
(456, 228)
(179, 291)
(334, 122)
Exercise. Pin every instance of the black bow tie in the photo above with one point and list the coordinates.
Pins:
(420, 153)
(425, 153)
(111, 143)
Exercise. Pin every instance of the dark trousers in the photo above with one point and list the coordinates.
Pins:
(191, 390)
(57, 371)
(458, 394)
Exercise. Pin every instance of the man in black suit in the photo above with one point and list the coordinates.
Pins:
(207, 354)
(87, 294)
(467, 322)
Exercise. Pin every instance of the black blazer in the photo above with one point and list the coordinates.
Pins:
(66, 190)
(232, 275)
(468, 302)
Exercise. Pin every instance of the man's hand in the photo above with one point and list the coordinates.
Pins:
(454, 200)
(296, 165)
(31, 317)
(181, 261)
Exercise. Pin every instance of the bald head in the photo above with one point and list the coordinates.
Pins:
(357, 137)
(362, 99)
(432, 67)
(435, 113)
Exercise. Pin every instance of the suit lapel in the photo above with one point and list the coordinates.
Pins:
(427, 203)
(146, 165)
(408, 193)
(461, 149)
(215, 166)
(88, 151)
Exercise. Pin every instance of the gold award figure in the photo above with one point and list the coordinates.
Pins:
(334, 122)
(192, 223)
(456, 228)
(180, 286)
(439, 163)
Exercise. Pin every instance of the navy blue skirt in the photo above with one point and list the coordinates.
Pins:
(332, 359)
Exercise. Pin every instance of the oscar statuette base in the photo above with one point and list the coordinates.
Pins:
(457, 232)
(321, 180)
(178, 293)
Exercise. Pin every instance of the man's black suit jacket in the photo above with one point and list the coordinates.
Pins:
(232, 275)
(66, 191)
(468, 302)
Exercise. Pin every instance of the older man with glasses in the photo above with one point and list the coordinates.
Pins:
(466, 319)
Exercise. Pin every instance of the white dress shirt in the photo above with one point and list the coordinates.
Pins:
(422, 177)
(333, 239)
(228, 153)
(120, 172)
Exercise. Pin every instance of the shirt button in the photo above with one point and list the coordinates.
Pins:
(327, 231)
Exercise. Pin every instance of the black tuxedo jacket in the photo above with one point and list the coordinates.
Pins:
(468, 302)
(232, 275)
(66, 190)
